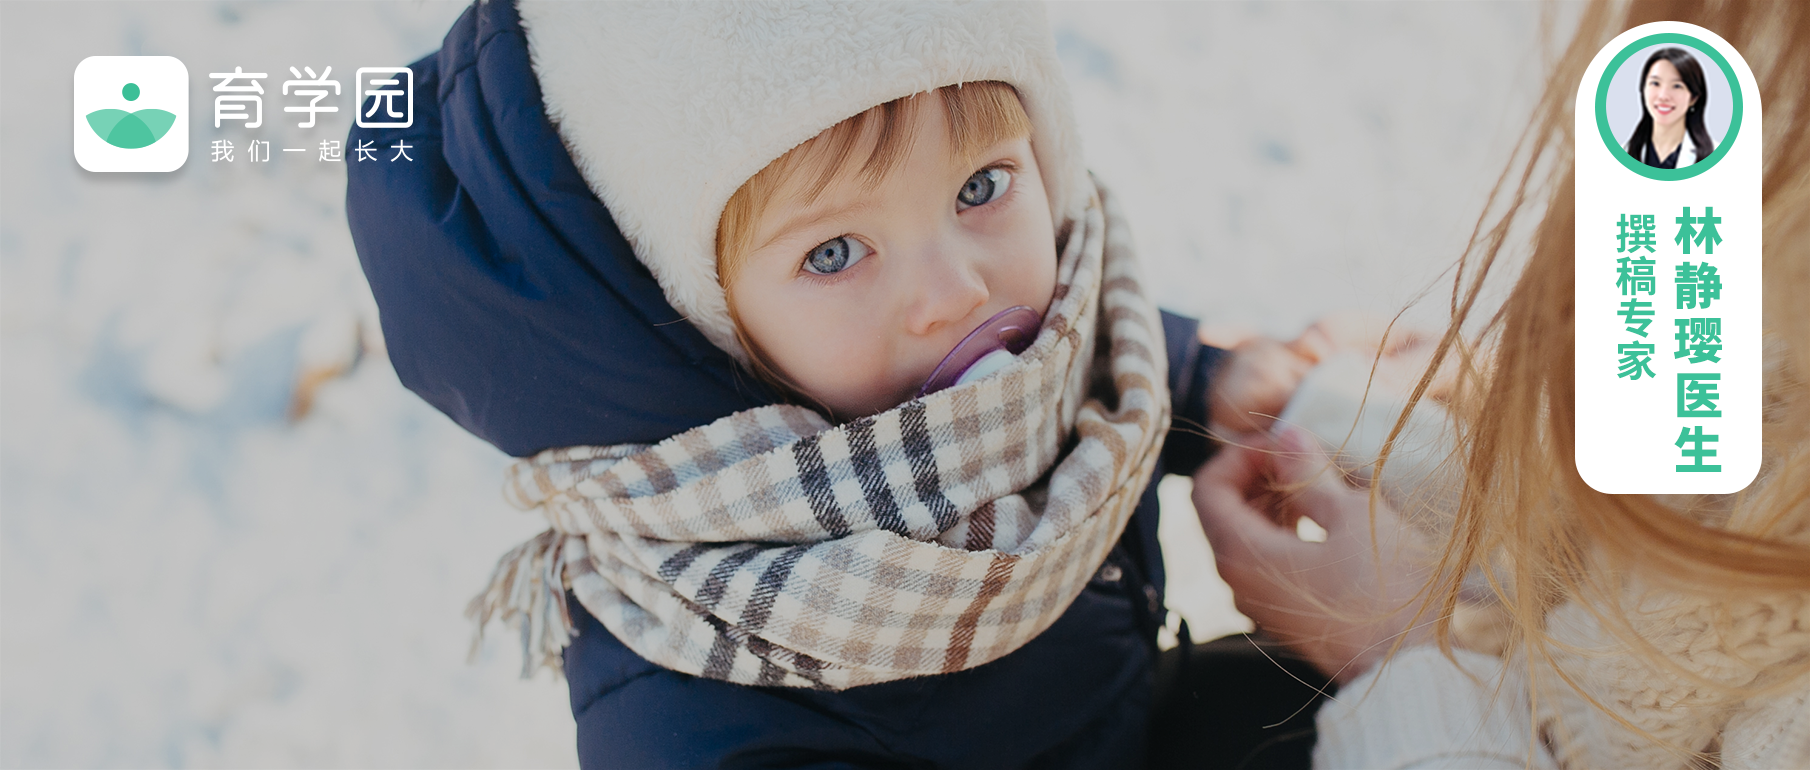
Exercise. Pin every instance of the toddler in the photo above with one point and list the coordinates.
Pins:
(626, 209)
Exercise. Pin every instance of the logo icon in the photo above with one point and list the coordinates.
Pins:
(131, 113)
(381, 86)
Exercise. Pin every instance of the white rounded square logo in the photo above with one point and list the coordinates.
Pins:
(131, 113)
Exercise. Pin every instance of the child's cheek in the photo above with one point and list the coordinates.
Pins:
(840, 356)
(1035, 276)
(1029, 238)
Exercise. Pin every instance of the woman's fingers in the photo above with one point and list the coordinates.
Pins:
(1306, 477)
(1314, 345)
(1340, 603)
(1242, 465)
(1323, 496)
(1227, 336)
(1224, 492)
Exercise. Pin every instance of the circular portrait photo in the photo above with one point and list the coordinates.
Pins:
(1668, 107)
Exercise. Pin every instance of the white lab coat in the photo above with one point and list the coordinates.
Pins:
(1685, 157)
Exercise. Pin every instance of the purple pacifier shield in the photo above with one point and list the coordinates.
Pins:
(1011, 330)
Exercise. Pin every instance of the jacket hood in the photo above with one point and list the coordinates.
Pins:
(667, 108)
(508, 297)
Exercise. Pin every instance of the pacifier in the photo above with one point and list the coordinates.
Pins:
(986, 350)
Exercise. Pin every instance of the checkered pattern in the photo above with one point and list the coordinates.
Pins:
(772, 548)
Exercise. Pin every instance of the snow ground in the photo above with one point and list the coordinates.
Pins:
(190, 578)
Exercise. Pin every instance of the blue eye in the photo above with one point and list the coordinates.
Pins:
(835, 255)
(984, 187)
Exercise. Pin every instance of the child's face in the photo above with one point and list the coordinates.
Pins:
(858, 295)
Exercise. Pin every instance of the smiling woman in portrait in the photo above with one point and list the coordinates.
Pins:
(1673, 98)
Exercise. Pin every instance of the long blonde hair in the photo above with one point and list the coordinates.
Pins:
(1538, 530)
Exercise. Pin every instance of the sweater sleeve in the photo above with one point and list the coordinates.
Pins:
(1420, 711)
(1774, 733)
(1191, 365)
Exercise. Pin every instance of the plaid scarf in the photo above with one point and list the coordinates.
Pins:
(772, 548)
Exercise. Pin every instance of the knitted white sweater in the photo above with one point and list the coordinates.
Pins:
(1424, 710)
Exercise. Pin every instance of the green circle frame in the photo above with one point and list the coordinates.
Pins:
(1621, 153)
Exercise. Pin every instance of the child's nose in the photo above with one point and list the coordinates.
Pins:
(948, 289)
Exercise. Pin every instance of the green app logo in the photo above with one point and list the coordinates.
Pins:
(131, 113)
(131, 130)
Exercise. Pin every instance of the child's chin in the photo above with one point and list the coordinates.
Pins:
(853, 409)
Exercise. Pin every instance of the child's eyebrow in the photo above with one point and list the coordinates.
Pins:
(812, 216)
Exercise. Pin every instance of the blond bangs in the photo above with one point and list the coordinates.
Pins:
(979, 115)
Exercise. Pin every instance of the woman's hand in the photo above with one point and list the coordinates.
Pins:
(1259, 377)
(1400, 356)
(1341, 603)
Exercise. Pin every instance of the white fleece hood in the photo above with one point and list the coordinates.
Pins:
(668, 108)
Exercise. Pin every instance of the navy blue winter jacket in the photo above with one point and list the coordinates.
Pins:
(510, 301)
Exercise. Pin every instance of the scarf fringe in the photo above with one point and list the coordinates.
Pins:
(527, 592)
